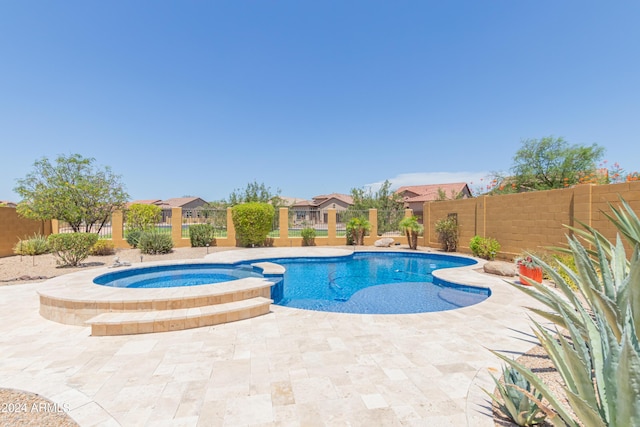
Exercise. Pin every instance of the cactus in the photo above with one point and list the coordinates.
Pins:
(520, 399)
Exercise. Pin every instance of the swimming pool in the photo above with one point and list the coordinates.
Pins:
(373, 282)
(176, 275)
(361, 282)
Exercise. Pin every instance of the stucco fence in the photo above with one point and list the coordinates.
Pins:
(531, 221)
(333, 237)
(520, 222)
(13, 228)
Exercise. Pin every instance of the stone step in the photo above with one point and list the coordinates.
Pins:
(65, 304)
(143, 322)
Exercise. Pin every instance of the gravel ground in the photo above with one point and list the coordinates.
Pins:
(21, 408)
(30, 269)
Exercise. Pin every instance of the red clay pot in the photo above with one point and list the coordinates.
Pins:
(534, 273)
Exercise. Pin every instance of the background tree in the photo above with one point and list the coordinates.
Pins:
(73, 190)
(143, 217)
(388, 203)
(255, 193)
(551, 162)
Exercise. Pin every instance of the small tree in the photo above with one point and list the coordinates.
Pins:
(142, 217)
(252, 222)
(412, 229)
(357, 228)
(388, 203)
(73, 191)
(551, 162)
(255, 193)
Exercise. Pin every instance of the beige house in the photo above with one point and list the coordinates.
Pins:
(315, 210)
(414, 196)
(188, 204)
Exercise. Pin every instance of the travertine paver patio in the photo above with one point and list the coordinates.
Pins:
(287, 368)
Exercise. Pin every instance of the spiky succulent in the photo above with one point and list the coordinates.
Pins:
(516, 398)
(599, 358)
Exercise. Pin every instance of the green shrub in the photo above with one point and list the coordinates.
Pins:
(201, 235)
(308, 236)
(412, 229)
(562, 261)
(35, 245)
(142, 217)
(152, 242)
(102, 247)
(133, 237)
(484, 247)
(513, 401)
(357, 228)
(447, 229)
(71, 248)
(253, 222)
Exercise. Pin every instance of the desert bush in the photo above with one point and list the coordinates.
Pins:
(308, 236)
(252, 222)
(133, 237)
(447, 229)
(484, 247)
(202, 235)
(102, 247)
(34, 245)
(152, 242)
(71, 248)
(357, 228)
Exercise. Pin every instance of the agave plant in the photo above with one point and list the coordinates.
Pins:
(599, 358)
(515, 393)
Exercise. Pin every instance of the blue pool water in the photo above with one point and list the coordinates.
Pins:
(373, 282)
(365, 282)
(168, 276)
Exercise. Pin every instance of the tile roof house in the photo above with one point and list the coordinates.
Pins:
(186, 203)
(314, 210)
(414, 196)
(7, 204)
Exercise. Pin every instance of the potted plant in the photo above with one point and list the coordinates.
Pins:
(528, 267)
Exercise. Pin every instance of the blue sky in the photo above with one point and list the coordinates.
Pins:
(311, 97)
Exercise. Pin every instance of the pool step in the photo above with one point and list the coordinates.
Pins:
(142, 322)
(67, 304)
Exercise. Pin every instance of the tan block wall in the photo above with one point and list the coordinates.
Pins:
(531, 221)
(520, 222)
(13, 228)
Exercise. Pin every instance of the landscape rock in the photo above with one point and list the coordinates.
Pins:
(385, 242)
(500, 268)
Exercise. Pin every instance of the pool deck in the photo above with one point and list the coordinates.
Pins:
(287, 368)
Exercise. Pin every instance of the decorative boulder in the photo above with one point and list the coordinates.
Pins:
(500, 268)
(385, 242)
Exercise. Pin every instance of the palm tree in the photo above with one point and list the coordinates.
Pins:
(412, 229)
